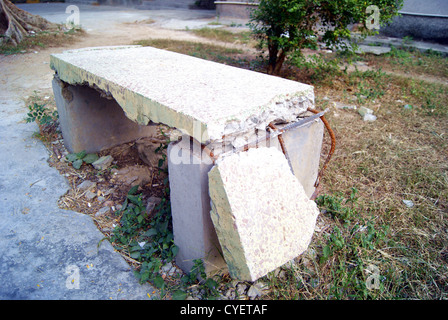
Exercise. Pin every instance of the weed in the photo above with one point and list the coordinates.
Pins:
(44, 117)
(370, 84)
(77, 159)
(149, 240)
(207, 285)
(411, 61)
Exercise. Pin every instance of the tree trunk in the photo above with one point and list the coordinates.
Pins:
(16, 24)
(276, 59)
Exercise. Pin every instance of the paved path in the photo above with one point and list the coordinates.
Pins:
(43, 248)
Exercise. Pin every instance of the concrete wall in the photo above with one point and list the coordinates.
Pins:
(235, 9)
(107, 2)
(421, 20)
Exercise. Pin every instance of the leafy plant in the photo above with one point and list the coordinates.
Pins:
(147, 240)
(206, 284)
(44, 117)
(77, 159)
(370, 84)
(150, 241)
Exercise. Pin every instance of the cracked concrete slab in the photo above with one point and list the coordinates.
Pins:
(185, 92)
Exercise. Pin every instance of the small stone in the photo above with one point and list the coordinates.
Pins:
(257, 290)
(90, 195)
(86, 185)
(344, 106)
(363, 111)
(149, 153)
(133, 175)
(108, 192)
(230, 294)
(109, 203)
(102, 211)
(241, 289)
(152, 203)
(369, 117)
(408, 203)
(167, 267)
(103, 163)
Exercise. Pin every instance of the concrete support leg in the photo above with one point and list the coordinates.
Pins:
(304, 146)
(194, 233)
(90, 122)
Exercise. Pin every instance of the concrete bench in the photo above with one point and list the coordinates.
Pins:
(110, 95)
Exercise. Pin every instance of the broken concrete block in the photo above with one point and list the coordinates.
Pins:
(369, 117)
(304, 147)
(260, 211)
(103, 163)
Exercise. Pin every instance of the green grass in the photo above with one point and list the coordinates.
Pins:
(411, 61)
(242, 37)
(230, 56)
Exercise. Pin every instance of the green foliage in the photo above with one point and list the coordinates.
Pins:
(285, 26)
(371, 84)
(77, 159)
(208, 285)
(42, 115)
(149, 241)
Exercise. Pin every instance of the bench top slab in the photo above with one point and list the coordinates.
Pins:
(203, 99)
